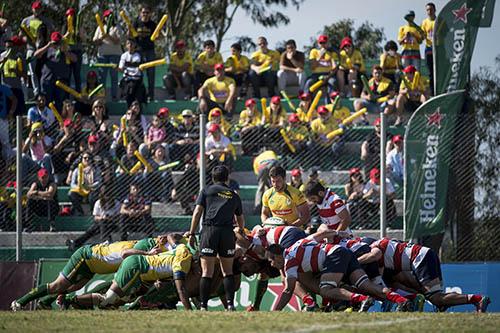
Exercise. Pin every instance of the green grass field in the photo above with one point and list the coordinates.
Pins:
(221, 322)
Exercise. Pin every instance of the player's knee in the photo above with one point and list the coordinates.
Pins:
(109, 299)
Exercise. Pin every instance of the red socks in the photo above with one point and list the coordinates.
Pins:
(357, 298)
(395, 298)
(308, 300)
(472, 299)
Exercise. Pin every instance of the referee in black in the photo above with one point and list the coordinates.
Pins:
(219, 205)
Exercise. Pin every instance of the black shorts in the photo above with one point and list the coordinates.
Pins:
(217, 241)
(341, 261)
(429, 269)
(371, 269)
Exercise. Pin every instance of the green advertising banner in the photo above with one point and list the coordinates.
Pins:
(428, 151)
(455, 34)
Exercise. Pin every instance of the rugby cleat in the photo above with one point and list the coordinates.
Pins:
(62, 302)
(366, 304)
(387, 306)
(15, 306)
(404, 306)
(418, 303)
(482, 305)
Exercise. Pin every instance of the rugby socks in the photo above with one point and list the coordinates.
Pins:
(229, 289)
(205, 285)
(308, 301)
(357, 298)
(40, 291)
(405, 294)
(472, 299)
(261, 290)
(395, 298)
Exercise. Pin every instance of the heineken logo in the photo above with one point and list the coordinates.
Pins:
(428, 196)
(457, 58)
(435, 118)
(461, 13)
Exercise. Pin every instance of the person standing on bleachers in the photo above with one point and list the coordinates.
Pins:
(323, 62)
(181, 72)
(395, 165)
(237, 67)
(135, 213)
(12, 74)
(132, 86)
(410, 36)
(428, 27)
(291, 70)
(6, 113)
(263, 67)
(42, 198)
(352, 66)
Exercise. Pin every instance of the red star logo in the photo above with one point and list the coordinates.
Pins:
(435, 119)
(461, 13)
(276, 289)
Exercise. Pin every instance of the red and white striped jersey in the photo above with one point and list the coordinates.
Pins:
(352, 245)
(400, 256)
(330, 207)
(306, 255)
(274, 235)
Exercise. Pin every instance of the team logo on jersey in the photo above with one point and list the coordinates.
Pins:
(207, 251)
(225, 194)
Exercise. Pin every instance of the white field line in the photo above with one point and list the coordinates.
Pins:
(319, 328)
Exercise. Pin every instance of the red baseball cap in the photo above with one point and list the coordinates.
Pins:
(322, 110)
(218, 66)
(163, 112)
(334, 94)
(36, 5)
(346, 41)
(56, 36)
(16, 40)
(93, 139)
(250, 102)
(293, 118)
(410, 69)
(354, 171)
(180, 44)
(397, 138)
(322, 39)
(276, 100)
(305, 96)
(377, 122)
(42, 173)
(216, 112)
(375, 175)
(213, 127)
(91, 74)
(107, 12)
(296, 172)
(70, 11)
(67, 122)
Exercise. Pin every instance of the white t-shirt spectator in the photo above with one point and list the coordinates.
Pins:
(223, 142)
(108, 47)
(106, 213)
(129, 63)
(395, 165)
(375, 197)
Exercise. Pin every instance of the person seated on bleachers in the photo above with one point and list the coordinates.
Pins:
(134, 129)
(410, 36)
(291, 70)
(351, 67)
(215, 117)
(395, 165)
(249, 128)
(41, 113)
(325, 149)
(237, 67)
(42, 198)
(298, 134)
(218, 92)
(135, 213)
(263, 67)
(167, 125)
(123, 174)
(101, 126)
(155, 136)
(380, 87)
(68, 110)
(187, 186)
(411, 94)
(132, 85)
(371, 193)
(273, 119)
(355, 202)
(105, 220)
(85, 183)
(323, 63)
(390, 61)
(217, 148)
(370, 148)
(187, 137)
(205, 62)
(181, 72)
(84, 105)
(158, 183)
(35, 150)
(304, 105)
(66, 143)
(341, 111)
(101, 158)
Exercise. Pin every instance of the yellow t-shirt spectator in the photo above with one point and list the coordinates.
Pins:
(339, 114)
(273, 118)
(204, 59)
(383, 85)
(348, 61)
(284, 204)
(179, 62)
(428, 27)
(247, 119)
(218, 90)
(238, 66)
(390, 64)
(413, 44)
(421, 85)
(325, 61)
(297, 133)
(271, 57)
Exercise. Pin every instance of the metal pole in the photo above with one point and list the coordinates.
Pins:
(383, 197)
(203, 157)
(19, 187)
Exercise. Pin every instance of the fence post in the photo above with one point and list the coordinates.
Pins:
(203, 162)
(383, 197)
(19, 187)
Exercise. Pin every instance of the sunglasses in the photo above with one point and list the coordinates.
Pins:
(86, 157)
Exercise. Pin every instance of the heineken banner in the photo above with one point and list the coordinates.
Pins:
(455, 34)
(428, 150)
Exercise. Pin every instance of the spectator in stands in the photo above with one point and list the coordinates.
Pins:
(37, 145)
(68, 109)
(187, 185)
(274, 115)
(291, 70)
(105, 217)
(298, 134)
(135, 213)
(217, 147)
(261, 166)
(296, 179)
(237, 67)
(6, 97)
(159, 182)
(5, 32)
(341, 111)
(124, 175)
(187, 137)
(218, 92)
(324, 147)
(351, 67)
(42, 198)
(85, 184)
(41, 113)
(132, 87)
(410, 36)
(370, 148)
(100, 122)
(304, 105)
(145, 28)
(66, 143)
(35, 22)
(249, 127)
(109, 50)
(75, 41)
(84, 105)
(263, 67)
(355, 202)
(395, 165)
(101, 158)
(55, 56)
(135, 127)
(166, 124)
(205, 63)
(411, 94)
(181, 72)
(428, 27)
(390, 61)
(215, 117)
(156, 135)
(12, 73)
(323, 63)
(371, 193)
